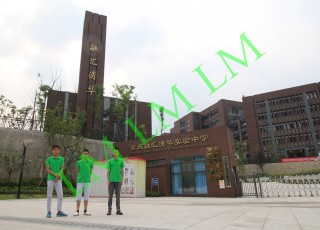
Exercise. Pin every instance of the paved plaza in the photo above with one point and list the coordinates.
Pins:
(169, 213)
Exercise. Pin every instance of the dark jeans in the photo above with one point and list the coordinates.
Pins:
(114, 186)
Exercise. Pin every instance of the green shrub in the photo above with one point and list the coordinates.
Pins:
(154, 194)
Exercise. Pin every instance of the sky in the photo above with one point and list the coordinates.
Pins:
(156, 44)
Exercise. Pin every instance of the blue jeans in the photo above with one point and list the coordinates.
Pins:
(114, 186)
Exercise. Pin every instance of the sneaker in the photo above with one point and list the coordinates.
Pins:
(119, 212)
(61, 214)
(76, 214)
(49, 215)
(87, 213)
(109, 212)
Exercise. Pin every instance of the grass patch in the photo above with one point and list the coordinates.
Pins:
(27, 196)
(22, 196)
(154, 194)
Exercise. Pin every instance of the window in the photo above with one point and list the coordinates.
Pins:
(214, 112)
(154, 163)
(214, 122)
(299, 124)
(311, 95)
(188, 175)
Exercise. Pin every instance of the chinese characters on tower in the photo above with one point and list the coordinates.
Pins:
(93, 67)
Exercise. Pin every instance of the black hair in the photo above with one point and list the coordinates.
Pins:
(55, 146)
(86, 150)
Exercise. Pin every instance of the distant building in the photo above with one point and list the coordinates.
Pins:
(223, 113)
(139, 110)
(284, 123)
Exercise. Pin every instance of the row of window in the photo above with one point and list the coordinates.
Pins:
(287, 99)
(283, 113)
(290, 138)
(285, 126)
(290, 125)
(314, 107)
(311, 95)
(281, 100)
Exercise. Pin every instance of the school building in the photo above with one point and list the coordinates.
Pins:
(199, 163)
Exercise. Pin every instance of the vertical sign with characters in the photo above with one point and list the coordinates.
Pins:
(128, 186)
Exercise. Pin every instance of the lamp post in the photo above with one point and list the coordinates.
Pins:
(26, 143)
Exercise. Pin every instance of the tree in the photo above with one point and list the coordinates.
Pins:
(97, 111)
(123, 94)
(12, 117)
(7, 111)
(261, 159)
(272, 155)
(143, 129)
(21, 118)
(41, 103)
(65, 132)
(240, 156)
(312, 153)
(41, 95)
(162, 117)
(9, 161)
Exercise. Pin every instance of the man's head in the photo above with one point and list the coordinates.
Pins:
(115, 152)
(85, 154)
(55, 150)
(86, 151)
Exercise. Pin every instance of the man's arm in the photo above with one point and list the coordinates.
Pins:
(59, 174)
(77, 173)
(122, 174)
(108, 177)
(49, 171)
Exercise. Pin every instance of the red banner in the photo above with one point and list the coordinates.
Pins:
(300, 159)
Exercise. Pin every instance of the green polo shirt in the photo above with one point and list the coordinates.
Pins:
(115, 167)
(55, 164)
(84, 171)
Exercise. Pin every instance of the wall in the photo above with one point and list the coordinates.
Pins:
(283, 168)
(37, 152)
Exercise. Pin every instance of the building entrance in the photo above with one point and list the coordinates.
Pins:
(296, 153)
(188, 176)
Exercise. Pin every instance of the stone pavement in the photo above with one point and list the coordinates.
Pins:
(169, 213)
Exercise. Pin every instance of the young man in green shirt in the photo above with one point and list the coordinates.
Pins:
(84, 170)
(115, 173)
(54, 168)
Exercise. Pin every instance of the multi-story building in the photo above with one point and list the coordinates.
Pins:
(223, 113)
(284, 123)
(116, 131)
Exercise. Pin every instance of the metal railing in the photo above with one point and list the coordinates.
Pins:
(280, 186)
